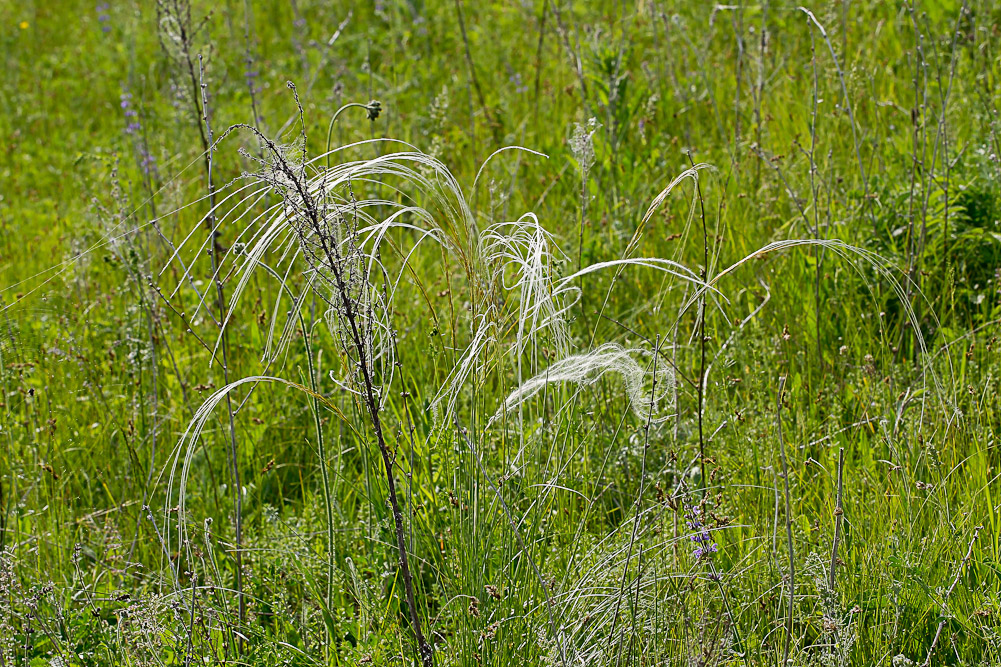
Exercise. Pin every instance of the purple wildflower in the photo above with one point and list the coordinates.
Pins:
(519, 86)
(705, 545)
(420, 25)
(103, 17)
(133, 129)
(132, 125)
(251, 77)
(147, 162)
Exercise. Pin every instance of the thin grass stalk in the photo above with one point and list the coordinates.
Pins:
(573, 52)
(5, 507)
(538, 59)
(943, 129)
(473, 80)
(250, 74)
(760, 86)
(638, 503)
(851, 113)
(221, 305)
(838, 518)
(373, 108)
(818, 251)
(948, 593)
(788, 520)
(919, 139)
(580, 231)
(737, 19)
(328, 502)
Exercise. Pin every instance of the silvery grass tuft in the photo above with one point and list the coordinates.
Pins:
(330, 228)
(297, 217)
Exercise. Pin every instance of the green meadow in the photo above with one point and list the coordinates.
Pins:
(522, 332)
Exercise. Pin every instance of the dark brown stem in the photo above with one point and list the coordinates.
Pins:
(388, 457)
(335, 263)
(702, 327)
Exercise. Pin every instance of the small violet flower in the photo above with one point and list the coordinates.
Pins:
(131, 115)
(705, 545)
(133, 128)
(103, 17)
(519, 86)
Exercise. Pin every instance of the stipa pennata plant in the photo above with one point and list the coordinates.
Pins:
(582, 147)
(348, 232)
(320, 224)
(586, 369)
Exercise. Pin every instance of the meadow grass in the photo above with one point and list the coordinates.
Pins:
(495, 333)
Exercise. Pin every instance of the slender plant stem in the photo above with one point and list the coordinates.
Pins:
(250, 75)
(333, 119)
(639, 501)
(538, 58)
(851, 114)
(702, 327)
(818, 251)
(838, 518)
(760, 87)
(948, 594)
(788, 517)
(221, 306)
(355, 341)
(474, 81)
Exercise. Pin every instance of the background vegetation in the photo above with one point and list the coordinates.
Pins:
(798, 464)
